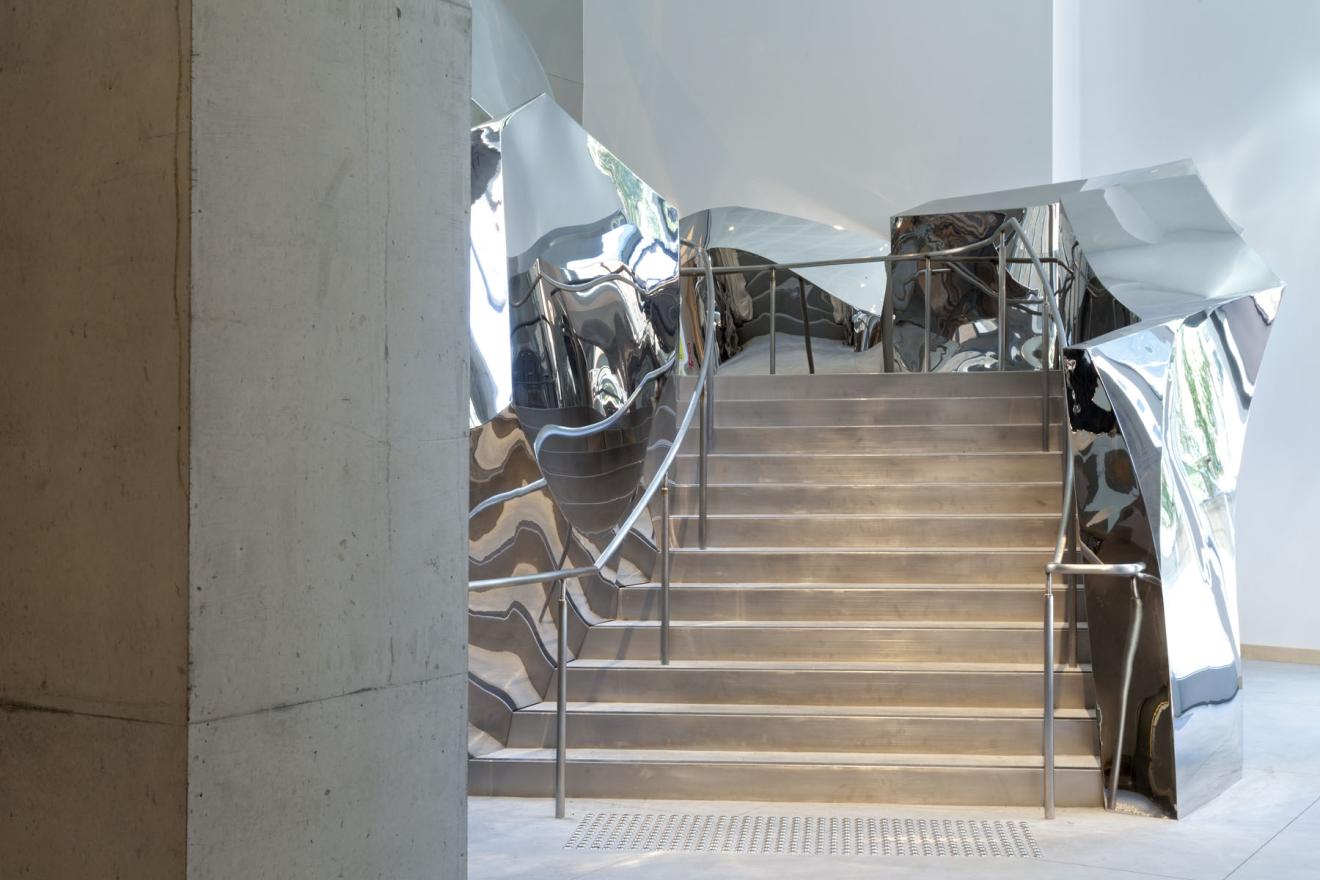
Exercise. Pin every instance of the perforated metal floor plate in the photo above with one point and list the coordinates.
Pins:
(803, 835)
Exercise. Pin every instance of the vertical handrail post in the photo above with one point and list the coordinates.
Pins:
(561, 704)
(887, 326)
(1003, 301)
(707, 411)
(1047, 733)
(806, 324)
(774, 311)
(1129, 657)
(708, 437)
(664, 572)
(926, 359)
(1075, 581)
(1047, 347)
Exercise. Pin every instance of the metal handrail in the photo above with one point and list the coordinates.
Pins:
(945, 254)
(660, 479)
(999, 239)
(606, 423)
(605, 555)
(507, 496)
(1133, 571)
(703, 392)
(564, 431)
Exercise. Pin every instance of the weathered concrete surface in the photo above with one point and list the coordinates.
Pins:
(348, 786)
(83, 796)
(93, 438)
(329, 376)
(233, 575)
(93, 452)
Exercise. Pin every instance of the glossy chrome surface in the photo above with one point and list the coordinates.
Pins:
(1169, 311)
(1161, 431)
(575, 336)
(579, 323)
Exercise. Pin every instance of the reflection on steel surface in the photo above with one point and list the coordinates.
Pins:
(1167, 309)
(1169, 312)
(551, 204)
(963, 296)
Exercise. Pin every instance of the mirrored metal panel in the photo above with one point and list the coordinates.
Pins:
(574, 311)
(1169, 311)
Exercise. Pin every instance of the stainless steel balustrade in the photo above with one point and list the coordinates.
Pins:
(1000, 239)
(703, 398)
(657, 483)
(1133, 571)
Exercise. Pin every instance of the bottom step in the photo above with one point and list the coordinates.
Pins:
(829, 777)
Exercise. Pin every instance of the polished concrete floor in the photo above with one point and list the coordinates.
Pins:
(1267, 827)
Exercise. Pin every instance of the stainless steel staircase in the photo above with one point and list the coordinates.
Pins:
(863, 624)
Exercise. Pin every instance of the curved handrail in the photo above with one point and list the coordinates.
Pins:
(596, 427)
(1052, 307)
(584, 430)
(1133, 571)
(507, 496)
(625, 275)
(933, 256)
(661, 474)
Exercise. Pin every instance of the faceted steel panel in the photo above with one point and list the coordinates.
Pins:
(550, 203)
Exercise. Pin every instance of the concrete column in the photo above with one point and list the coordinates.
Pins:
(93, 439)
(233, 439)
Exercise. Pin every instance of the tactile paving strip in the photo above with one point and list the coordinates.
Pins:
(803, 835)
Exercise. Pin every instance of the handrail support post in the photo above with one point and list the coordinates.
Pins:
(806, 324)
(1047, 733)
(1129, 658)
(926, 356)
(774, 310)
(1003, 301)
(664, 572)
(561, 704)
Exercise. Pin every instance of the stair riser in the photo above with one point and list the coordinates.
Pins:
(944, 438)
(804, 733)
(1010, 383)
(874, 470)
(856, 603)
(803, 643)
(1042, 498)
(879, 412)
(785, 782)
(825, 567)
(890, 532)
(821, 687)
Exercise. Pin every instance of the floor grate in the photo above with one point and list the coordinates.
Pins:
(803, 835)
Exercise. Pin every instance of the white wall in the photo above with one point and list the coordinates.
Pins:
(847, 111)
(843, 112)
(554, 28)
(1236, 86)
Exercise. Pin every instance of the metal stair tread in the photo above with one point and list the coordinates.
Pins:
(805, 709)
(886, 516)
(932, 667)
(858, 551)
(929, 484)
(1034, 586)
(1024, 453)
(1034, 398)
(879, 624)
(1064, 761)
